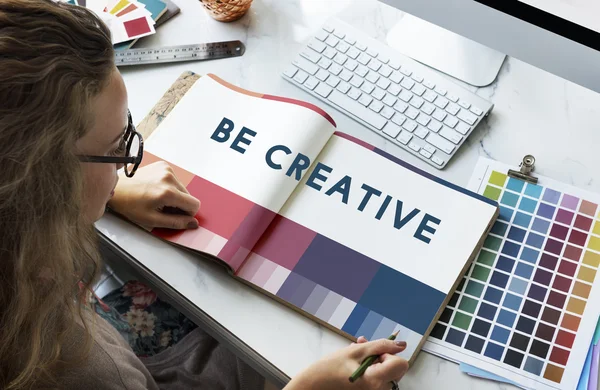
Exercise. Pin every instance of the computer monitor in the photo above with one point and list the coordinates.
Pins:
(559, 36)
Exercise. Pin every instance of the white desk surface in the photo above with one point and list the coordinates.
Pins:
(535, 113)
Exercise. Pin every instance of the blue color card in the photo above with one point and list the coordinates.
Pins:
(505, 214)
(551, 196)
(493, 295)
(528, 205)
(487, 311)
(535, 240)
(474, 344)
(533, 365)
(540, 225)
(505, 264)
(499, 279)
(455, 337)
(516, 234)
(521, 219)
(494, 351)
(546, 211)
(515, 185)
(511, 249)
(529, 255)
(506, 318)
(500, 334)
(509, 199)
(533, 190)
(512, 302)
(482, 328)
(518, 286)
(524, 270)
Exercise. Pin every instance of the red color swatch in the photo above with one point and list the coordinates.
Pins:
(137, 27)
(559, 355)
(565, 339)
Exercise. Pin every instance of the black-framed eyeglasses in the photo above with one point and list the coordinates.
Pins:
(132, 147)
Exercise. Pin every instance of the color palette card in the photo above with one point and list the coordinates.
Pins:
(528, 306)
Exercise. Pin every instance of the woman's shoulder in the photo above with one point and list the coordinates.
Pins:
(111, 364)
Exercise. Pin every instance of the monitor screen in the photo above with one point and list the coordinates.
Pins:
(577, 20)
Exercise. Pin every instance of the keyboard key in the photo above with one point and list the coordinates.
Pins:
(311, 83)
(322, 35)
(305, 65)
(476, 111)
(354, 93)
(390, 100)
(421, 132)
(360, 46)
(335, 69)
(328, 28)
(333, 81)
(396, 77)
(350, 39)
(353, 53)
(378, 93)
(394, 89)
(342, 87)
(453, 109)
(376, 105)
(411, 113)
(365, 99)
(429, 84)
(418, 89)
(363, 59)
(462, 128)
(361, 71)
(416, 102)
(467, 117)
(324, 63)
(423, 119)
(357, 109)
(392, 130)
(434, 126)
(394, 65)
(414, 146)
(409, 125)
(464, 104)
(404, 137)
(367, 87)
(332, 41)
(399, 119)
(450, 121)
(400, 106)
(383, 58)
(300, 77)
(430, 96)
(425, 153)
(450, 135)
(387, 112)
(405, 71)
(439, 114)
(417, 78)
(374, 65)
(440, 90)
(385, 71)
(322, 75)
(441, 102)
(342, 47)
(310, 55)
(383, 83)
(405, 95)
(428, 108)
(373, 53)
(356, 81)
(437, 160)
(372, 76)
(452, 98)
(429, 148)
(440, 143)
(340, 58)
(407, 83)
(351, 65)
(323, 90)
(317, 46)
(346, 75)
(290, 71)
(329, 53)
(340, 34)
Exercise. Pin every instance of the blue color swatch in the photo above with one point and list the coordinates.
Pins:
(529, 255)
(515, 185)
(521, 219)
(524, 270)
(533, 190)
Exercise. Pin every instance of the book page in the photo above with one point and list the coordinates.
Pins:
(244, 153)
(369, 244)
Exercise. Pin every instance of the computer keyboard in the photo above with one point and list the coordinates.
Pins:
(391, 94)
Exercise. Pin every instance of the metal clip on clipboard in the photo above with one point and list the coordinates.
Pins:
(524, 173)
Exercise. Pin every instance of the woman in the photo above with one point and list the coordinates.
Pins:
(64, 133)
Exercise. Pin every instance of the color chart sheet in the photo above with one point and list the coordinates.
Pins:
(528, 306)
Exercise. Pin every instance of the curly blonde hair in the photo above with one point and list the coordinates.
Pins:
(54, 59)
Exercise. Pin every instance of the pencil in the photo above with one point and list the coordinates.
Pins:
(367, 362)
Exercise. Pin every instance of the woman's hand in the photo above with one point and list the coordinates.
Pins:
(150, 197)
(333, 371)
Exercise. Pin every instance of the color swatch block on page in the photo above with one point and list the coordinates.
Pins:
(521, 304)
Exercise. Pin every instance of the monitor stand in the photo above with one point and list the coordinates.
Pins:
(445, 51)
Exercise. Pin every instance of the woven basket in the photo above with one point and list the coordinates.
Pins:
(226, 10)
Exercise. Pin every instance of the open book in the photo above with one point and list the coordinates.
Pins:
(342, 232)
